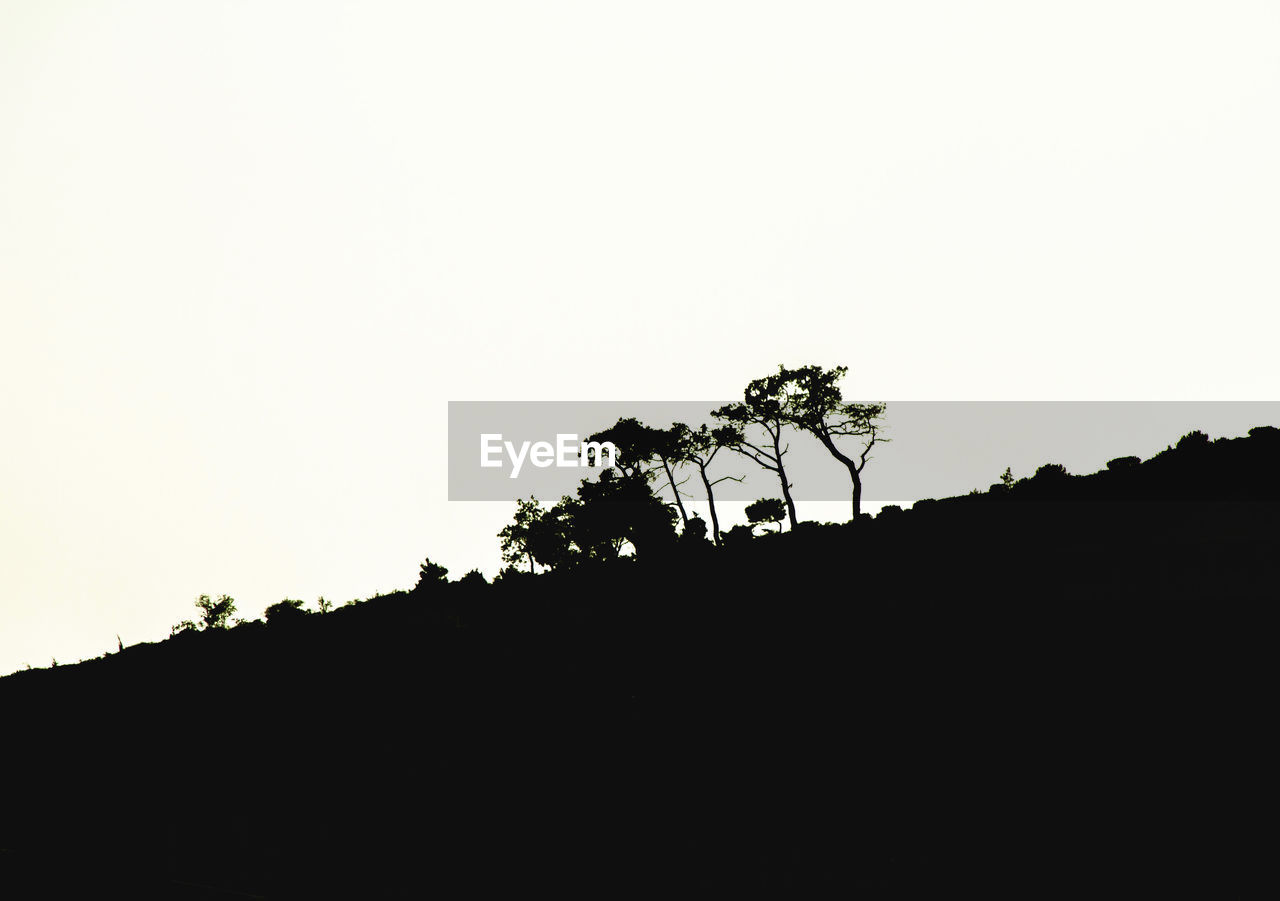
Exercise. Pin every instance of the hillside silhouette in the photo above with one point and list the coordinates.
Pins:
(1057, 683)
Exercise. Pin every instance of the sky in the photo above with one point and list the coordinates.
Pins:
(249, 251)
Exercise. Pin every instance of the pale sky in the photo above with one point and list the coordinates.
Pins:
(250, 250)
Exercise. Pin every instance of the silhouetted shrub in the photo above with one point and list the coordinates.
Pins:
(1192, 440)
(1051, 472)
(695, 532)
(1123, 462)
(431, 574)
(473, 579)
(1264, 431)
(284, 611)
(737, 536)
(509, 574)
(766, 510)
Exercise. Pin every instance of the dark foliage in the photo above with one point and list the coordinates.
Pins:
(284, 611)
(766, 510)
(431, 575)
(473, 579)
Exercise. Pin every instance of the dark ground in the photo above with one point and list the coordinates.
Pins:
(1065, 688)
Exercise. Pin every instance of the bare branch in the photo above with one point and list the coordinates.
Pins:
(728, 479)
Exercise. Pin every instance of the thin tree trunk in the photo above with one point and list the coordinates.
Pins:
(684, 517)
(854, 476)
(711, 502)
(782, 476)
(786, 496)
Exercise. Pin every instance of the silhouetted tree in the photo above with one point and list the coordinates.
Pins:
(1005, 485)
(634, 444)
(615, 510)
(765, 510)
(760, 407)
(322, 605)
(213, 615)
(516, 536)
(810, 400)
(645, 449)
(550, 540)
(669, 450)
(699, 447)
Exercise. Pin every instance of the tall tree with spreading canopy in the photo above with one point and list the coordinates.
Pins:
(699, 447)
(617, 510)
(811, 401)
(645, 449)
(764, 406)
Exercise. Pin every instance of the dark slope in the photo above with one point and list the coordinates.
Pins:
(1063, 684)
